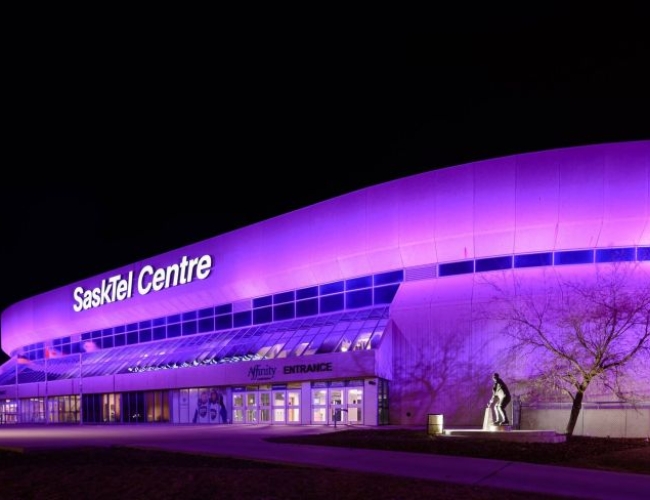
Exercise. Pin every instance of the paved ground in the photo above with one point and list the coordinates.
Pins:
(246, 441)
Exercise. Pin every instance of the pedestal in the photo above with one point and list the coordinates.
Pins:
(487, 422)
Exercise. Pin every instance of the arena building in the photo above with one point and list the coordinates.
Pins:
(359, 310)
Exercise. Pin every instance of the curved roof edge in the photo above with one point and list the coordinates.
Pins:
(592, 196)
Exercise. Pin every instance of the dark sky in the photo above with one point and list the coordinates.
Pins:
(128, 143)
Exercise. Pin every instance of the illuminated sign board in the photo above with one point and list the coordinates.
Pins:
(149, 279)
(308, 368)
(259, 372)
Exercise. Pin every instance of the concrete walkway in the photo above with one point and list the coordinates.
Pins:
(248, 442)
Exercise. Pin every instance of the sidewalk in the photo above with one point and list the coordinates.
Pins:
(248, 442)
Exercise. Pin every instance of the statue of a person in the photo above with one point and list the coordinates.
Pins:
(499, 400)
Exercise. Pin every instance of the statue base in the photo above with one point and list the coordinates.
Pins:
(489, 426)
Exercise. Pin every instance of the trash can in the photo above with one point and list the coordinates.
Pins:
(435, 424)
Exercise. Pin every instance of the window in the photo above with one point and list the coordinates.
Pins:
(357, 283)
(281, 298)
(306, 308)
(242, 319)
(331, 288)
(493, 263)
(385, 294)
(573, 257)
(390, 277)
(454, 268)
(358, 298)
(284, 311)
(263, 315)
(263, 301)
(533, 259)
(614, 254)
(331, 303)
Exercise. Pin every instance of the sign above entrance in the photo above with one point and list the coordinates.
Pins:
(149, 279)
(266, 372)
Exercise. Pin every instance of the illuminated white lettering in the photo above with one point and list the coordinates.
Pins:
(151, 279)
(112, 289)
(116, 288)
(78, 299)
(143, 289)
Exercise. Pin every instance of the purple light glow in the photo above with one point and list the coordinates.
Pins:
(586, 197)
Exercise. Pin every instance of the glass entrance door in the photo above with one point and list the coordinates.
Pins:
(265, 407)
(252, 408)
(279, 407)
(334, 405)
(293, 407)
(354, 398)
(238, 407)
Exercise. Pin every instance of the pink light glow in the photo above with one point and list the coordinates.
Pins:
(585, 197)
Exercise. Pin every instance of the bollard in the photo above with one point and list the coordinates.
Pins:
(435, 424)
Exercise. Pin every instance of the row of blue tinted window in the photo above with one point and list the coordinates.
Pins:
(364, 282)
(560, 258)
(348, 294)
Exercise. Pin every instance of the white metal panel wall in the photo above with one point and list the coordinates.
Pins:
(580, 201)
(440, 333)
(389, 226)
(454, 210)
(537, 192)
(494, 207)
(626, 209)
(441, 365)
(337, 229)
(384, 229)
(417, 220)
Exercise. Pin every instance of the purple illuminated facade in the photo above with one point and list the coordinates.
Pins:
(356, 310)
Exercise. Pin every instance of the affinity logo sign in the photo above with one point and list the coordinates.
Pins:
(149, 279)
(259, 372)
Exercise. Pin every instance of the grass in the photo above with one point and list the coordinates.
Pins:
(619, 455)
(120, 472)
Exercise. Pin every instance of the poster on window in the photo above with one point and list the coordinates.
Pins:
(210, 407)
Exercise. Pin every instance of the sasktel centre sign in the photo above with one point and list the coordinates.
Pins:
(118, 288)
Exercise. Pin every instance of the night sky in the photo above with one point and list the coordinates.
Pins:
(127, 145)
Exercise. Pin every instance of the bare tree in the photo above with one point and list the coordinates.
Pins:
(578, 331)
